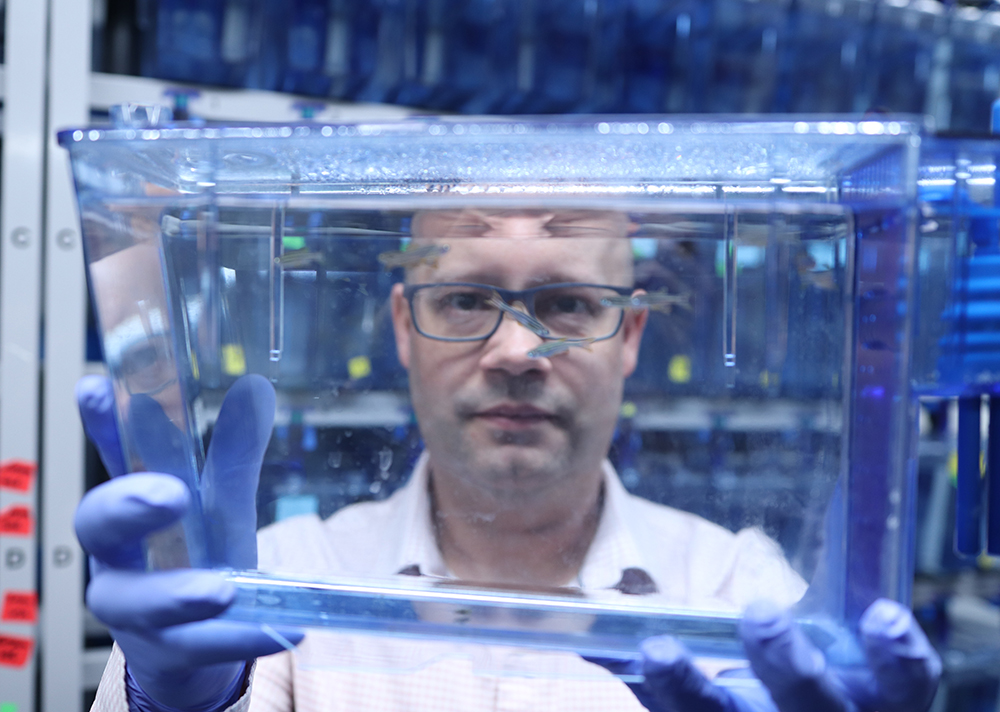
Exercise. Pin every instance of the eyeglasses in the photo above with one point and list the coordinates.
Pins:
(466, 311)
(139, 353)
(146, 367)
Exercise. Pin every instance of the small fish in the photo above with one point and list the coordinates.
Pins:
(559, 346)
(659, 301)
(299, 258)
(425, 254)
(522, 318)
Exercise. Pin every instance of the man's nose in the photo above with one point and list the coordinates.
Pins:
(508, 349)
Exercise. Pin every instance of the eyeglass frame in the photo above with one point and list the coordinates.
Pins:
(117, 365)
(509, 296)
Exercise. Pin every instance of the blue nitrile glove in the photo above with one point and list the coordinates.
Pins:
(177, 655)
(902, 673)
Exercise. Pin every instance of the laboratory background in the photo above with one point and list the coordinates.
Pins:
(68, 63)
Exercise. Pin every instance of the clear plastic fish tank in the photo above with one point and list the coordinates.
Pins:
(558, 383)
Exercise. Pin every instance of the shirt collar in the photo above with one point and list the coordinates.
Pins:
(613, 549)
(418, 543)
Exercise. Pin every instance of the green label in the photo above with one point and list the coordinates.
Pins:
(290, 243)
(8, 707)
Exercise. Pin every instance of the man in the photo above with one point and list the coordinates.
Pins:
(513, 489)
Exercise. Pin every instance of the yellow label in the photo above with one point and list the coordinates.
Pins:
(234, 361)
(679, 369)
(359, 367)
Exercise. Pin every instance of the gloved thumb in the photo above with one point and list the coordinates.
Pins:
(674, 682)
(789, 665)
(905, 665)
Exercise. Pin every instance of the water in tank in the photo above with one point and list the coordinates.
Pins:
(557, 383)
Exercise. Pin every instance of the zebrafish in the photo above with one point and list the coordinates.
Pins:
(522, 318)
(659, 301)
(299, 258)
(559, 346)
(425, 254)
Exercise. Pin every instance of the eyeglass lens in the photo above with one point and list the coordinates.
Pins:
(464, 312)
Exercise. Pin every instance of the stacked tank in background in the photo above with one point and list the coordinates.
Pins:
(593, 56)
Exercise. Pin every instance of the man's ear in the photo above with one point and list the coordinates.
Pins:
(401, 324)
(633, 325)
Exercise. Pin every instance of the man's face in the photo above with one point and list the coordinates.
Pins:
(133, 311)
(513, 425)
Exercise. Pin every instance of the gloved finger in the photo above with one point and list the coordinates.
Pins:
(160, 445)
(141, 600)
(232, 470)
(203, 643)
(675, 684)
(789, 665)
(96, 399)
(113, 518)
(905, 666)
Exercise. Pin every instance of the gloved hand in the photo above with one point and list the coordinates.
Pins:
(178, 656)
(902, 674)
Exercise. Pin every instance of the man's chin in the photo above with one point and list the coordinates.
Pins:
(519, 468)
(515, 455)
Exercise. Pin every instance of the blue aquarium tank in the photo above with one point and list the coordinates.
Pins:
(699, 341)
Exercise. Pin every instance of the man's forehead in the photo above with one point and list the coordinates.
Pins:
(590, 246)
(522, 222)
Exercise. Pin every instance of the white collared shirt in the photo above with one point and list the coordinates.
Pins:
(691, 561)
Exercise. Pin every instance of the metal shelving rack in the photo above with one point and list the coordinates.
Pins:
(64, 329)
(21, 177)
(40, 270)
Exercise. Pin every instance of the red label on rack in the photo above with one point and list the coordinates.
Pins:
(16, 521)
(17, 475)
(20, 607)
(14, 651)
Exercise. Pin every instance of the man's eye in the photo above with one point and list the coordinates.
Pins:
(468, 230)
(568, 304)
(143, 357)
(572, 230)
(576, 230)
(464, 301)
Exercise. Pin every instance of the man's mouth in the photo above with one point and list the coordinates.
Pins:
(514, 416)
